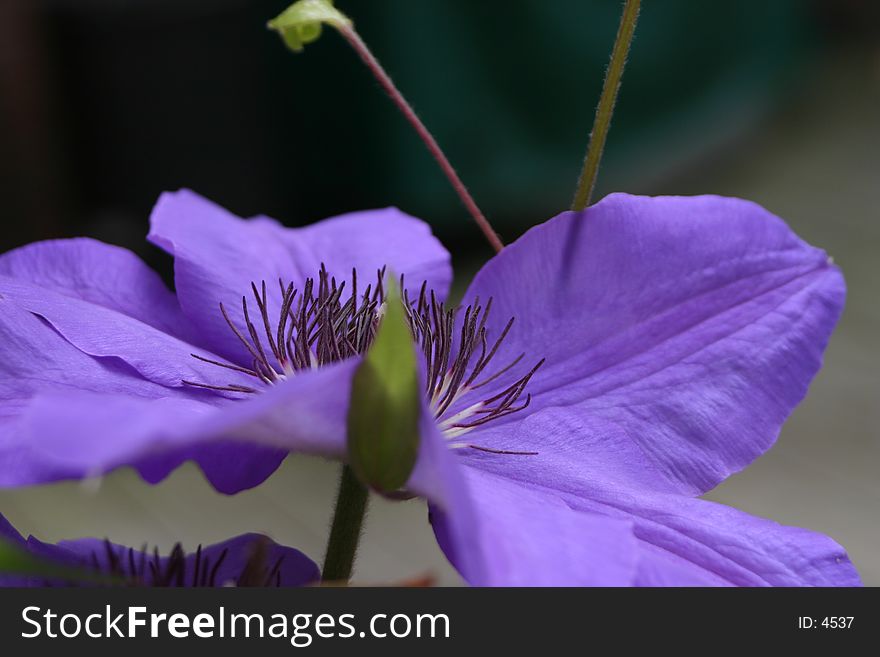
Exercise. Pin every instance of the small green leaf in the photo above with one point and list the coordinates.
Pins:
(16, 561)
(301, 22)
(383, 418)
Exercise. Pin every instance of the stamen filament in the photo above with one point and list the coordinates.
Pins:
(154, 570)
(502, 451)
(323, 327)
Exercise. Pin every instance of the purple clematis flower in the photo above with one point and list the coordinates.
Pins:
(657, 346)
(246, 560)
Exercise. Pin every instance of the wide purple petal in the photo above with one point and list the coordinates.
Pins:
(39, 369)
(107, 333)
(218, 255)
(692, 542)
(679, 334)
(681, 541)
(237, 444)
(100, 274)
(498, 532)
(34, 357)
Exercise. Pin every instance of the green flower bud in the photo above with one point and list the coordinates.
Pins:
(383, 418)
(302, 21)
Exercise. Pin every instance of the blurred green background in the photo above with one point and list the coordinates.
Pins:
(105, 103)
(108, 102)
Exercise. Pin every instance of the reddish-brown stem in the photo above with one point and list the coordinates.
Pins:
(397, 98)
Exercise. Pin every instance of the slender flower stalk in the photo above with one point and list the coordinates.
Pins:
(301, 23)
(602, 122)
(360, 47)
(345, 532)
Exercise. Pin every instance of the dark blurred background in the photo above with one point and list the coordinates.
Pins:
(105, 103)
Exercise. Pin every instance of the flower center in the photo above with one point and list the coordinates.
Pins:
(317, 326)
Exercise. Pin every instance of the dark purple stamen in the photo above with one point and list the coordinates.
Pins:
(313, 328)
(317, 327)
(135, 568)
(502, 451)
(453, 369)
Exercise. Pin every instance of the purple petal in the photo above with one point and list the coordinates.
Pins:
(34, 358)
(681, 541)
(101, 274)
(237, 444)
(692, 542)
(218, 255)
(41, 370)
(107, 333)
(679, 333)
(498, 532)
(230, 466)
(369, 240)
